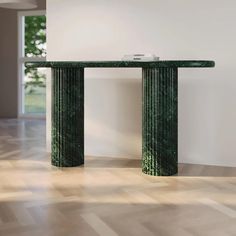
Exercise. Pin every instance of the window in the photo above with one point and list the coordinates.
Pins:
(32, 47)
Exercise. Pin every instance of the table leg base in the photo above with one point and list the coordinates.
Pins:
(67, 117)
(160, 114)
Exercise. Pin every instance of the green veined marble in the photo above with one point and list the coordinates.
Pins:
(160, 111)
(137, 64)
(67, 117)
(160, 114)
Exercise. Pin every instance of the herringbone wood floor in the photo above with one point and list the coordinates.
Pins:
(107, 196)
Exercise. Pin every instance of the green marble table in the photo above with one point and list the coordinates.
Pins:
(160, 111)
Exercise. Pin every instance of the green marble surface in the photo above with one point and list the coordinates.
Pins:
(160, 111)
(160, 125)
(132, 64)
(67, 117)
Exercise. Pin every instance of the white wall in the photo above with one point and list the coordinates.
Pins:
(173, 29)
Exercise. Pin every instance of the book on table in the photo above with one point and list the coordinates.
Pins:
(140, 57)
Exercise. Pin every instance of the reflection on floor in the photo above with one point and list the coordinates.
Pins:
(107, 196)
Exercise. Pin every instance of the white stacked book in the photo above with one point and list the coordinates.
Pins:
(140, 57)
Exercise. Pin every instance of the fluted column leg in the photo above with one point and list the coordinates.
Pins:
(160, 125)
(67, 117)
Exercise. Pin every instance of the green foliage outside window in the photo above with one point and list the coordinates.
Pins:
(35, 45)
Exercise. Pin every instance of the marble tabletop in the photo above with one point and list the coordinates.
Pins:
(131, 64)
